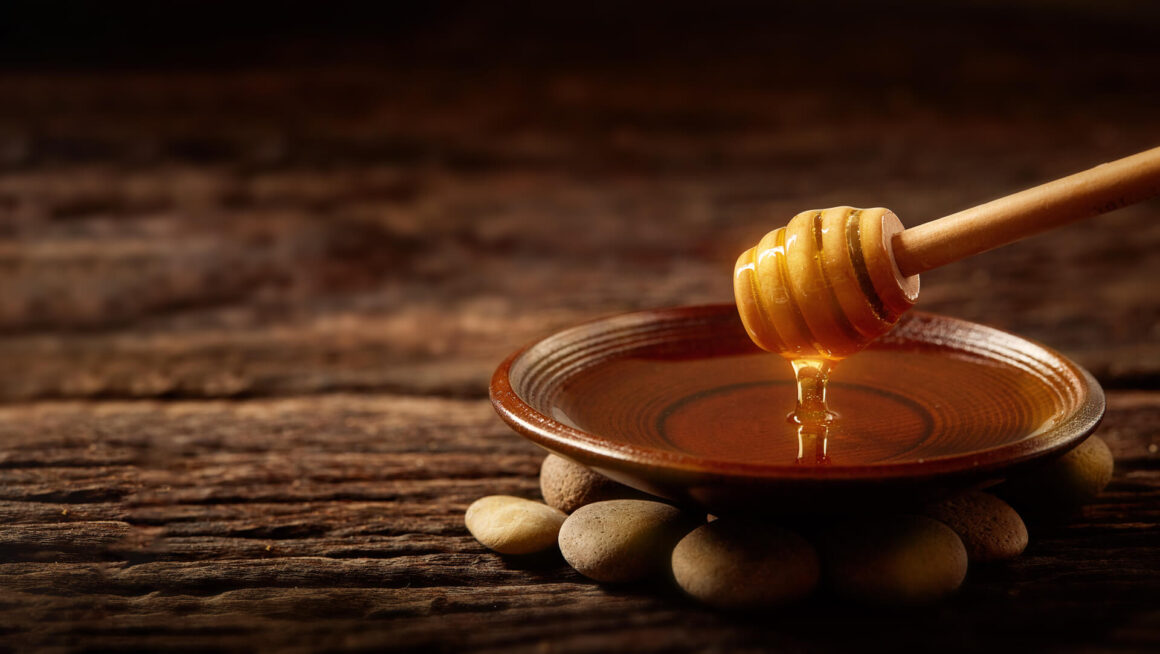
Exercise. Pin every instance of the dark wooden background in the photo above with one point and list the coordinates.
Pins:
(257, 265)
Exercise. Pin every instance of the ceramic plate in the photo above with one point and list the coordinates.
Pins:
(679, 403)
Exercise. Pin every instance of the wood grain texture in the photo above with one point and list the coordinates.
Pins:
(336, 521)
(248, 313)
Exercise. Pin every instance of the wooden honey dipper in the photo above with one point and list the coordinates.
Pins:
(831, 281)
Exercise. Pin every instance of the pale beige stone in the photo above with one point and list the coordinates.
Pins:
(622, 540)
(513, 525)
(989, 528)
(893, 559)
(737, 564)
(1063, 485)
(567, 485)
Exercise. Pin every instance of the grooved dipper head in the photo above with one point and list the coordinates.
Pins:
(825, 285)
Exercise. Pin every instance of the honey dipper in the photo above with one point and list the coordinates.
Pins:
(833, 280)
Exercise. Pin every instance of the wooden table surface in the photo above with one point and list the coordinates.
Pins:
(248, 313)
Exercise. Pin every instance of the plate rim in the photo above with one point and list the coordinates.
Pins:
(596, 450)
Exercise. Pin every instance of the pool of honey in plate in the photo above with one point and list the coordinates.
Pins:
(884, 406)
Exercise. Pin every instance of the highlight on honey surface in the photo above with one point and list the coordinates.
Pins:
(825, 285)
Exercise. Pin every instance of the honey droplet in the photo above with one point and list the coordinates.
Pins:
(812, 413)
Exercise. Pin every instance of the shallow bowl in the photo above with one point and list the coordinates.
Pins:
(681, 404)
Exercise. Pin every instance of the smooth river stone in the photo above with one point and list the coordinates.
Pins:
(622, 540)
(568, 486)
(513, 525)
(893, 559)
(1064, 485)
(989, 528)
(737, 564)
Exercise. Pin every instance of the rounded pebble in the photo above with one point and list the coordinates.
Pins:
(622, 540)
(895, 559)
(513, 525)
(989, 528)
(736, 564)
(1065, 484)
(568, 486)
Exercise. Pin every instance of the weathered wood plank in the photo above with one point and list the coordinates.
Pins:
(113, 277)
(227, 539)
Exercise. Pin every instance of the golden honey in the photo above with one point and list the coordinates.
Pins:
(887, 405)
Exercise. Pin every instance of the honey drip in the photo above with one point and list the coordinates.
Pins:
(812, 414)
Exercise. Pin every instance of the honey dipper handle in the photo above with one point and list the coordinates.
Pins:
(1105, 188)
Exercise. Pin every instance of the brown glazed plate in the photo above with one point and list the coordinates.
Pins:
(681, 404)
